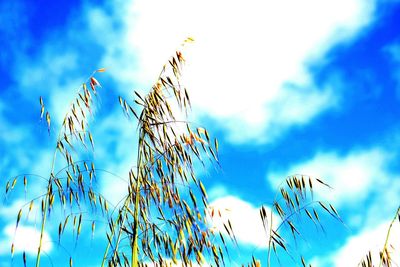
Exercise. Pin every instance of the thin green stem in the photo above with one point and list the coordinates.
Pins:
(108, 244)
(388, 235)
(134, 256)
(135, 251)
(135, 227)
(46, 201)
(270, 242)
(126, 203)
(270, 231)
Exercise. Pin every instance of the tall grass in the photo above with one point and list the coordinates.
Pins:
(165, 217)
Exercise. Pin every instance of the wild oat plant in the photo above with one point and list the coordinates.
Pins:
(384, 257)
(165, 218)
(154, 224)
(295, 201)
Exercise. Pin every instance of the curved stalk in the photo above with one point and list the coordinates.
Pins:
(135, 242)
(388, 235)
(270, 242)
(37, 264)
(134, 252)
(50, 181)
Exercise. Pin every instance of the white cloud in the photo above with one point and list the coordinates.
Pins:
(244, 56)
(115, 138)
(357, 246)
(365, 191)
(10, 211)
(217, 191)
(59, 86)
(245, 219)
(352, 176)
(26, 238)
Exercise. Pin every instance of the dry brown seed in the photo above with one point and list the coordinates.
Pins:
(41, 112)
(334, 210)
(297, 201)
(43, 206)
(7, 186)
(59, 231)
(293, 228)
(93, 227)
(18, 217)
(14, 182)
(280, 243)
(303, 262)
(289, 183)
(321, 182)
(94, 81)
(309, 214)
(324, 207)
(30, 206)
(316, 215)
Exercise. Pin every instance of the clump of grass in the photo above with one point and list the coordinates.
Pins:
(72, 183)
(294, 200)
(163, 219)
(385, 255)
(154, 223)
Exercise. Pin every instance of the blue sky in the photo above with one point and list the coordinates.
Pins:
(288, 87)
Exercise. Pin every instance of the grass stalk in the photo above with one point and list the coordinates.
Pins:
(50, 180)
(135, 258)
(270, 241)
(387, 236)
(46, 202)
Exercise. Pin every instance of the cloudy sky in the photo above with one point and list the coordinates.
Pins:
(288, 87)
